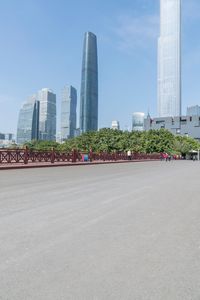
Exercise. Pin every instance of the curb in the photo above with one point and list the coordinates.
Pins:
(15, 167)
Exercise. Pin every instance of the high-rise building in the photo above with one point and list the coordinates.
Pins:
(47, 125)
(89, 85)
(193, 110)
(169, 59)
(2, 136)
(68, 112)
(115, 125)
(138, 121)
(28, 121)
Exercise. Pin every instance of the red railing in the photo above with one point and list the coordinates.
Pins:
(26, 156)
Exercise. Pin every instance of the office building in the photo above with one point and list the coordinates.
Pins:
(9, 136)
(89, 85)
(184, 125)
(169, 59)
(28, 121)
(193, 110)
(138, 121)
(115, 125)
(2, 136)
(47, 125)
(68, 112)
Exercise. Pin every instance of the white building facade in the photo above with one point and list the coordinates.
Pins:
(115, 125)
(169, 59)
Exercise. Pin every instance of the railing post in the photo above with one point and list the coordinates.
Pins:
(90, 155)
(26, 155)
(9, 157)
(73, 155)
(52, 155)
(104, 156)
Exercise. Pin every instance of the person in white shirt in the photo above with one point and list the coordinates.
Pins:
(129, 154)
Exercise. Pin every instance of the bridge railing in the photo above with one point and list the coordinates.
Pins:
(25, 156)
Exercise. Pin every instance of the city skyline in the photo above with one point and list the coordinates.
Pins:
(37, 53)
(169, 59)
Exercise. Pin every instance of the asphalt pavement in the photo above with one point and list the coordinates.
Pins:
(119, 232)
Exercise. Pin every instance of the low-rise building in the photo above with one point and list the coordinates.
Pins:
(115, 125)
(184, 125)
(193, 110)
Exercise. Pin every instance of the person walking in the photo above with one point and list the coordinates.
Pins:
(129, 154)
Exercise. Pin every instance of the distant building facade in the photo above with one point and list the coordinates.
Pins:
(138, 121)
(169, 59)
(6, 140)
(47, 125)
(77, 132)
(184, 125)
(2, 136)
(68, 112)
(89, 85)
(193, 110)
(9, 136)
(115, 125)
(28, 121)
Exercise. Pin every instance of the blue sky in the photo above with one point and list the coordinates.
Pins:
(41, 46)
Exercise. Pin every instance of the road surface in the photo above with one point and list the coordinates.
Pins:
(119, 232)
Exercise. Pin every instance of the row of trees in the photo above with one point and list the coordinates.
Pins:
(109, 140)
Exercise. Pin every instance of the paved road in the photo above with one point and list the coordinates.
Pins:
(124, 231)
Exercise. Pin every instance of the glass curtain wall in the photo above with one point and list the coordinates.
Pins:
(47, 125)
(68, 112)
(89, 85)
(28, 121)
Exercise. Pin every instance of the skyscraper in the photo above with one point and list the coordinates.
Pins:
(169, 59)
(138, 121)
(68, 112)
(28, 122)
(47, 125)
(89, 85)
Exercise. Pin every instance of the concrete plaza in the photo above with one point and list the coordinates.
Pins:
(119, 232)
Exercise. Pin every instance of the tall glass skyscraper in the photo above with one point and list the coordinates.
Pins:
(68, 112)
(89, 85)
(169, 59)
(47, 125)
(28, 121)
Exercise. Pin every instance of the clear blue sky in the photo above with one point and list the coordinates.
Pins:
(41, 46)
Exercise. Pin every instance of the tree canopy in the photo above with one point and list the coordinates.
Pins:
(109, 140)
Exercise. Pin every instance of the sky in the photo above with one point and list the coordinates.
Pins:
(42, 42)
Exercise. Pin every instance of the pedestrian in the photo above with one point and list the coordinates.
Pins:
(166, 157)
(129, 154)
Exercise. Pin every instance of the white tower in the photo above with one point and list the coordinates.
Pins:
(169, 59)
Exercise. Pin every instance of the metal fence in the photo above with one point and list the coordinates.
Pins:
(26, 156)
